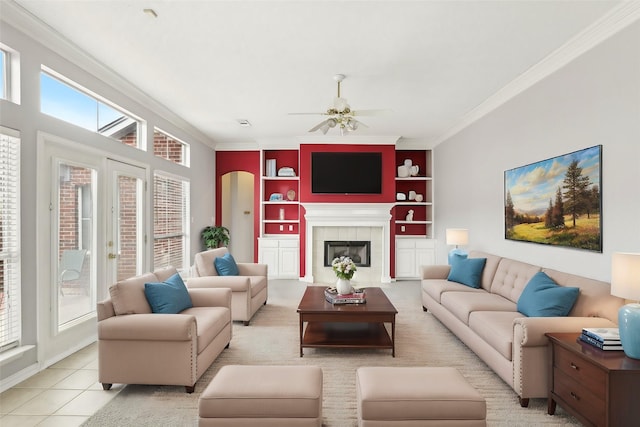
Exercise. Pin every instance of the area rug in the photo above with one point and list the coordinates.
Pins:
(272, 339)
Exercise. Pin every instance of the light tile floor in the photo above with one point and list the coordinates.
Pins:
(65, 394)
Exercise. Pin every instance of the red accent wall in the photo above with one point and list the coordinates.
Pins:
(388, 168)
(246, 161)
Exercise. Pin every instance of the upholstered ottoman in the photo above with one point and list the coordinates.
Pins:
(263, 396)
(422, 396)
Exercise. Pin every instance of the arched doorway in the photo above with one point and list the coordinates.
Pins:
(238, 213)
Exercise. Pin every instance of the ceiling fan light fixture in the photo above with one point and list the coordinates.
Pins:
(340, 105)
(340, 114)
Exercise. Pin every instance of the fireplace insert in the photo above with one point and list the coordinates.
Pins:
(358, 251)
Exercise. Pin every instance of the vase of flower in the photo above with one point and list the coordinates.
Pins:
(344, 267)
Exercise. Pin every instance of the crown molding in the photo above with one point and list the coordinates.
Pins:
(617, 19)
(29, 24)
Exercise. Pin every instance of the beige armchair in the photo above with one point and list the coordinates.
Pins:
(249, 288)
(136, 346)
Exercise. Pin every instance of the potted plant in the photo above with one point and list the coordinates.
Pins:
(214, 236)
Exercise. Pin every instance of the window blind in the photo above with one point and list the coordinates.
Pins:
(170, 221)
(10, 325)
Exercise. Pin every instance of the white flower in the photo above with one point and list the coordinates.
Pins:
(344, 267)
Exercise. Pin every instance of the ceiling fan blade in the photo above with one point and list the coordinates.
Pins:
(370, 112)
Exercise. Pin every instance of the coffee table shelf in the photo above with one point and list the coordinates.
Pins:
(347, 325)
(346, 335)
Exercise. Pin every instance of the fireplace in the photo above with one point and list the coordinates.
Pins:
(350, 222)
(358, 251)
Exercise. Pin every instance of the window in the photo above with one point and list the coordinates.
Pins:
(3, 74)
(170, 148)
(170, 221)
(66, 101)
(10, 326)
(9, 74)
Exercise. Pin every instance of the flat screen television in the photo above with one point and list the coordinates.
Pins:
(346, 173)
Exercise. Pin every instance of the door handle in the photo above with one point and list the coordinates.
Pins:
(113, 256)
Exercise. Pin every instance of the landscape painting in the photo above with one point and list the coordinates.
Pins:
(557, 201)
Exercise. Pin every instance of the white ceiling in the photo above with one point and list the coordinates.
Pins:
(429, 63)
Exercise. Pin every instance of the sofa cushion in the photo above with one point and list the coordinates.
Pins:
(210, 321)
(496, 329)
(128, 295)
(163, 274)
(511, 277)
(226, 265)
(462, 304)
(204, 261)
(436, 287)
(168, 297)
(542, 297)
(467, 271)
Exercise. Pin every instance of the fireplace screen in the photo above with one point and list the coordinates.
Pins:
(358, 251)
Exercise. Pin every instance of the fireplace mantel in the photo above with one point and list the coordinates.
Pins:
(348, 215)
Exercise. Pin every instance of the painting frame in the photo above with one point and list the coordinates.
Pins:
(556, 201)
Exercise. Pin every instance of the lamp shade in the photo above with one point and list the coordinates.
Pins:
(625, 283)
(457, 236)
(625, 275)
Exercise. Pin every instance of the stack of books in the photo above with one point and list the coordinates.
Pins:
(603, 338)
(357, 296)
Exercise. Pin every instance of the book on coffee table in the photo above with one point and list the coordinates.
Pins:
(357, 296)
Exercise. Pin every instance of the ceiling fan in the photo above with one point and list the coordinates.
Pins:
(340, 114)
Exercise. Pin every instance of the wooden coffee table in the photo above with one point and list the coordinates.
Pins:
(346, 325)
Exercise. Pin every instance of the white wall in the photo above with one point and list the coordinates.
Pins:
(26, 118)
(593, 100)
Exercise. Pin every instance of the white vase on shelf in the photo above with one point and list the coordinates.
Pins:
(343, 286)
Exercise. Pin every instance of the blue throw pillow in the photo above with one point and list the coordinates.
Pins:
(467, 271)
(226, 265)
(542, 297)
(168, 297)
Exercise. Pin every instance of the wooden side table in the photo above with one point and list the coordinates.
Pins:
(599, 388)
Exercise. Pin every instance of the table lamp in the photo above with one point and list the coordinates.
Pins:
(457, 236)
(625, 283)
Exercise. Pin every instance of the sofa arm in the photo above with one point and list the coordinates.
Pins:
(251, 269)
(235, 283)
(105, 309)
(210, 297)
(531, 330)
(148, 327)
(435, 271)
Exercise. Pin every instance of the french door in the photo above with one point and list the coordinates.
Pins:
(126, 232)
(91, 232)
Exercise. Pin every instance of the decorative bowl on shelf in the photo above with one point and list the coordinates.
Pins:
(275, 197)
(286, 171)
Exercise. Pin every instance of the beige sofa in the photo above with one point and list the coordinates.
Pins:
(249, 288)
(487, 321)
(136, 346)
